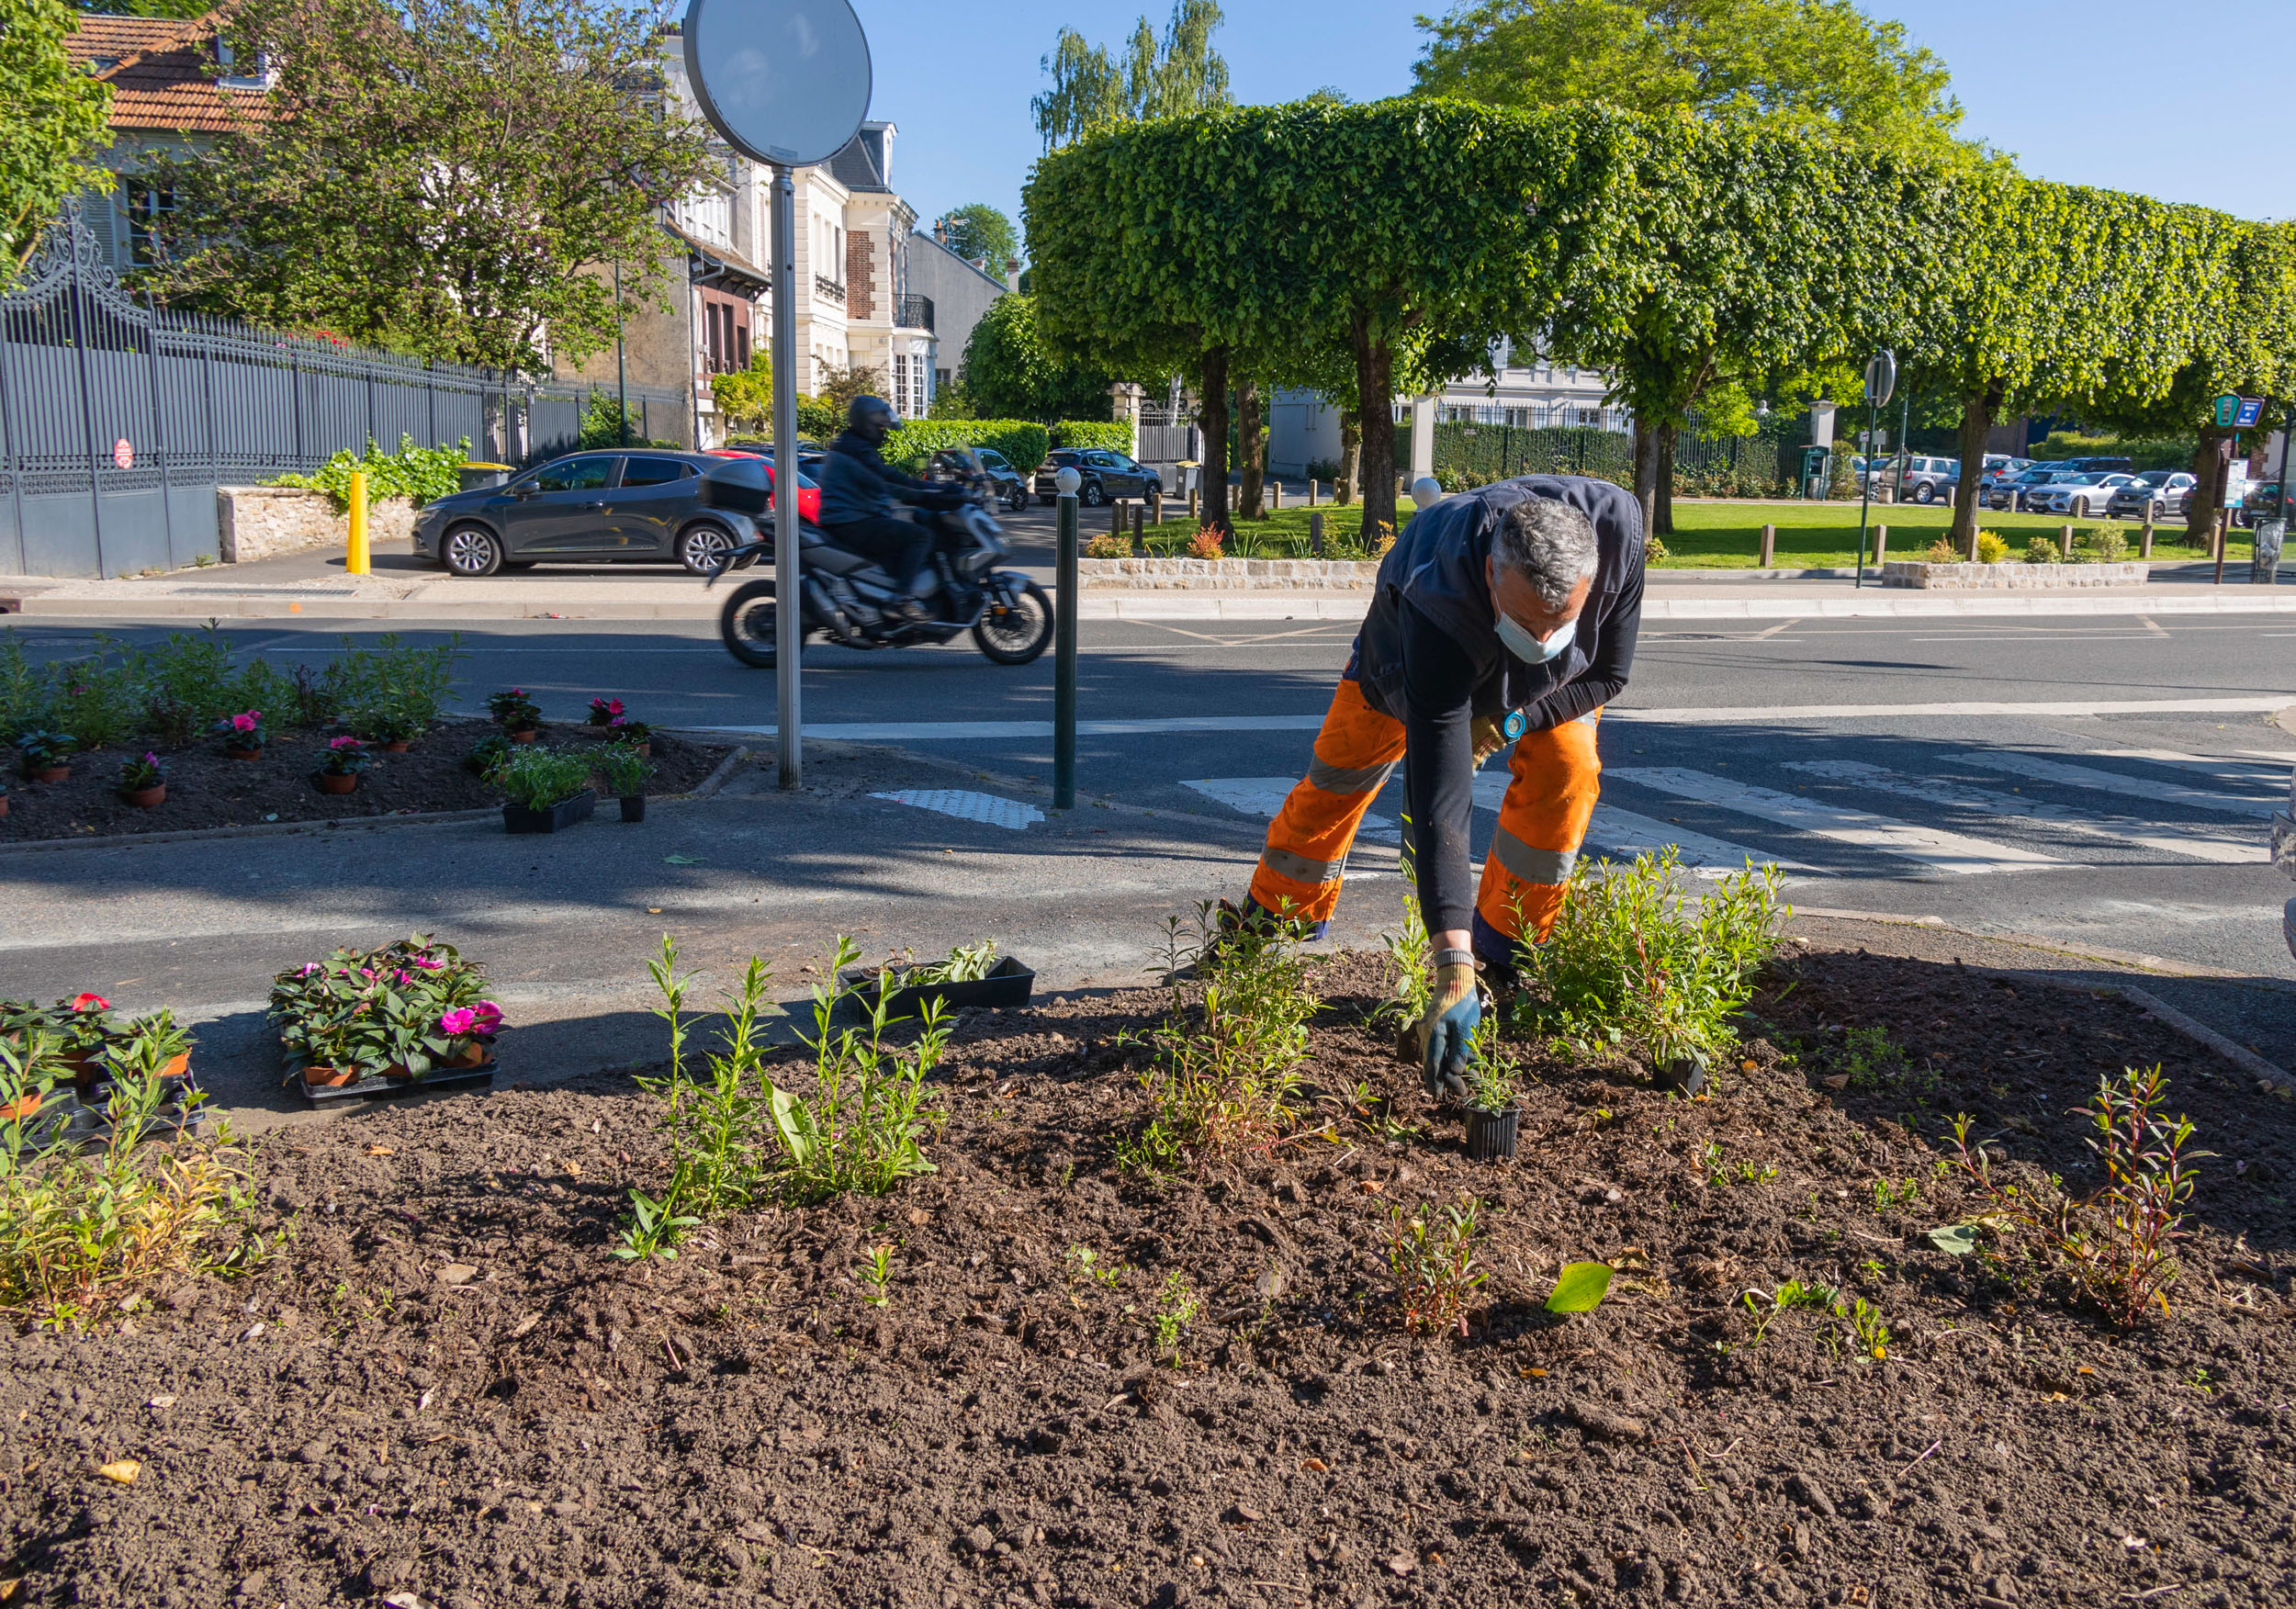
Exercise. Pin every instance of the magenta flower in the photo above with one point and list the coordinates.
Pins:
(429, 963)
(486, 1017)
(344, 743)
(457, 1021)
(246, 723)
(308, 967)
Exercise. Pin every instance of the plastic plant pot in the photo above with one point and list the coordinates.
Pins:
(335, 781)
(633, 807)
(565, 813)
(1492, 1135)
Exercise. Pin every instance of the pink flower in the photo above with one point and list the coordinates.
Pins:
(96, 1003)
(308, 967)
(246, 723)
(403, 978)
(344, 743)
(486, 1017)
(457, 1021)
(430, 964)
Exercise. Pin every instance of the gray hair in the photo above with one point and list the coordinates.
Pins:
(1549, 544)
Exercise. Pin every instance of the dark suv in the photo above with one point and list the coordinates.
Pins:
(649, 507)
(1106, 475)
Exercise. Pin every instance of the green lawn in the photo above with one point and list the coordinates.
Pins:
(1708, 536)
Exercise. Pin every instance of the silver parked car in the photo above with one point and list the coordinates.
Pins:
(1925, 481)
(2009, 491)
(2080, 495)
(2160, 493)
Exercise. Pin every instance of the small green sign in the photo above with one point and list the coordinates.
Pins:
(2227, 409)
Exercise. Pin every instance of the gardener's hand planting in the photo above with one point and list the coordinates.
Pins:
(1447, 1029)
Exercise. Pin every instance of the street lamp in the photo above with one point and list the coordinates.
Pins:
(1881, 379)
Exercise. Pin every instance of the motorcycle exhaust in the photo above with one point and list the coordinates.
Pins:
(823, 607)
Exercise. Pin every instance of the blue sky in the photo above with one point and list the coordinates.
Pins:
(2182, 102)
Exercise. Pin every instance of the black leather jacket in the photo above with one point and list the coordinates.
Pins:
(857, 484)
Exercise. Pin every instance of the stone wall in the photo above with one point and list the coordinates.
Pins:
(263, 521)
(1228, 575)
(2013, 578)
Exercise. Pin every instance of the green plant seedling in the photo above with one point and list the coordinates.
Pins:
(1434, 1265)
(1581, 1288)
(1175, 1312)
(1887, 1195)
(653, 1228)
(875, 1274)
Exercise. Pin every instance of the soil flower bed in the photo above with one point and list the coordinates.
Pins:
(207, 788)
(1033, 1377)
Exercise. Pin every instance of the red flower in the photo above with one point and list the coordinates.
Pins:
(90, 1003)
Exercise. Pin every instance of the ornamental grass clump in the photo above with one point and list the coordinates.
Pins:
(1225, 1080)
(1633, 966)
(406, 1010)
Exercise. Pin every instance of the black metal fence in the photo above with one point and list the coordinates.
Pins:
(119, 419)
(1476, 455)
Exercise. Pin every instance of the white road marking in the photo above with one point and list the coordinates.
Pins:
(1263, 796)
(1720, 716)
(2247, 773)
(2083, 776)
(1931, 845)
(2152, 626)
(1774, 630)
(1624, 833)
(986, 808)
(2233, 847)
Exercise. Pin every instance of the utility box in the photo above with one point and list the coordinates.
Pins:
(1816, 471)
(2264, 566)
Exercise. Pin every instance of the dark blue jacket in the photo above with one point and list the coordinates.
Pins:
(1429, 655)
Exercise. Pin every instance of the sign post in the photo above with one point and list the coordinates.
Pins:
(1881, 379)
(785, 83)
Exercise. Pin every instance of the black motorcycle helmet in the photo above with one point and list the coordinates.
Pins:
(869, 417)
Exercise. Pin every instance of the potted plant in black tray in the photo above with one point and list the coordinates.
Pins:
(973, 975)
(623, 770)
(544, 789)
(1492, 1114)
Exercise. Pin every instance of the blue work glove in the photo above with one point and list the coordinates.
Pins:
(1447, 1030)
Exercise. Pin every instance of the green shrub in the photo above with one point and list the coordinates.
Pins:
(2104, 544)
(1115, 437)
(395, 688)
(416, 472)
(2043, 551)
(1991, 550)
(539, 777)
(1632, 964)
(1022, 444)
(819, 418)
(2146, 452)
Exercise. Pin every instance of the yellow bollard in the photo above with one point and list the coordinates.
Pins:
(355, 560)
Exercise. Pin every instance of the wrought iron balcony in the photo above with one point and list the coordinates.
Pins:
(829, 289)
(913, 312)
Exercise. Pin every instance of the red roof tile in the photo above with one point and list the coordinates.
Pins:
(160, 70)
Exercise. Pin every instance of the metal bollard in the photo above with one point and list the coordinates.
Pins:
(1065, 658)
(1769, 546)
(1315, 531)
(355, 557)
(1311, 497)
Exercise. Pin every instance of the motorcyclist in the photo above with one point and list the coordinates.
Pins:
(858, 491)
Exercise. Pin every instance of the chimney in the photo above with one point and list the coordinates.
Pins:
(1012, 274)
(941, 231)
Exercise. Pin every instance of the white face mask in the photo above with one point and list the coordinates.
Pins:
(1528, 648)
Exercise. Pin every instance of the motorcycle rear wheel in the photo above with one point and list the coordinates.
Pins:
(749, 625)
(1017, 634)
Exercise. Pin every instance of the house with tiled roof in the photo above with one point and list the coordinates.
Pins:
(175, 86)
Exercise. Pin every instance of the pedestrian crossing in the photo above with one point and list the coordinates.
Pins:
(1951, 814)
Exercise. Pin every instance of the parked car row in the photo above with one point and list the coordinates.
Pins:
(1104, 476)
(2084, 488)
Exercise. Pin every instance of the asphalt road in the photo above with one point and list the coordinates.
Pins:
(2133, 831)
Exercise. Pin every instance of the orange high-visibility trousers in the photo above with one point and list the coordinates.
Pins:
(1542, 821)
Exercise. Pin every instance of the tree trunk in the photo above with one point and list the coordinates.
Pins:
(2209, 462)
(1375, 410)
(1647, 473)
(1976, 424)
(1664, 523)
(1350, 458)
(1250, 450)
(1211, 415)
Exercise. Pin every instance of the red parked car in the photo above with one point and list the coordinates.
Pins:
(809, 488)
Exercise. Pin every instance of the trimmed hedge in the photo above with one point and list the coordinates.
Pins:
(1022, 443)
(1093, 432)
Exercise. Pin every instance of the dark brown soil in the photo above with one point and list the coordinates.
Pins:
(448, 1390)
(206, 788)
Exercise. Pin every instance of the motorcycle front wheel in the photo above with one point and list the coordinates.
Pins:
(748, 625)
(1017, 635)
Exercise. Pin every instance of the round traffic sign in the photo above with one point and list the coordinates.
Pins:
(784, 81)
(123, 454)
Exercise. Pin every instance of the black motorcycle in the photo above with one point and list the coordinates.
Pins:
(849, 599)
